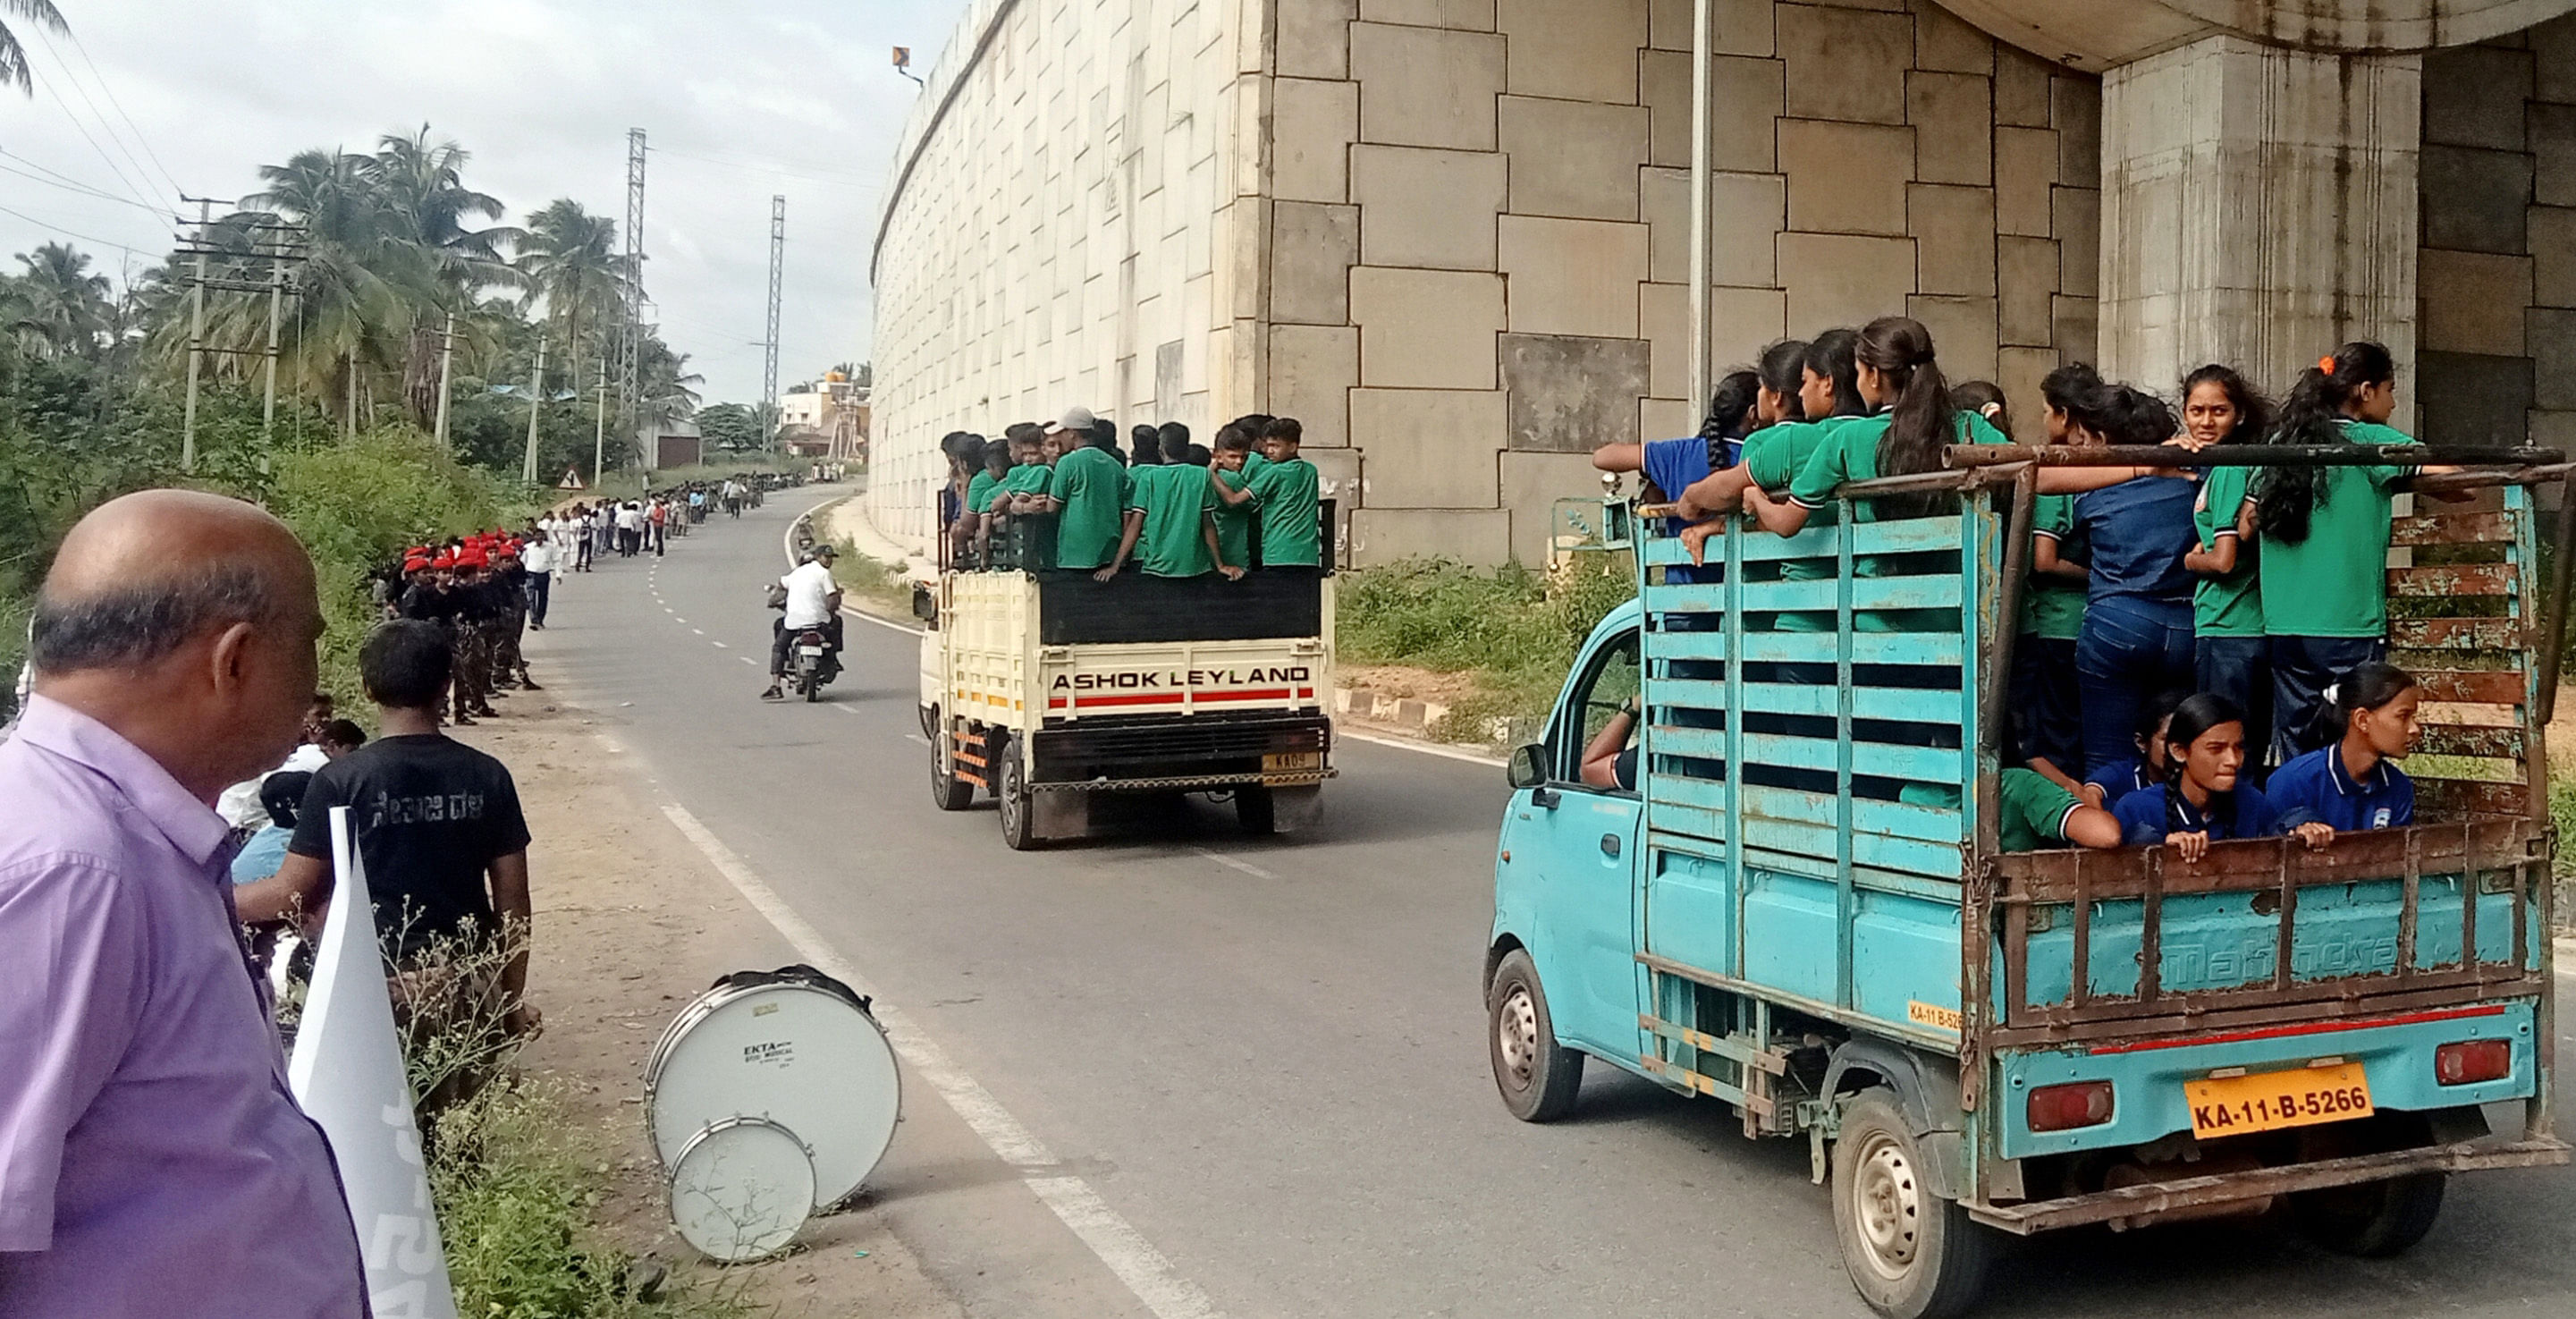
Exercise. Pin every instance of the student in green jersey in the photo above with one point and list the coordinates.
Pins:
(2219, 407)
(1170, 527)
(1088, 495)
(1912, 421)
(1288, 491)
(979, 498)
(1828, 394)
(1233, 465)
(2324, 537)
(2037, 812)
(2047, 729)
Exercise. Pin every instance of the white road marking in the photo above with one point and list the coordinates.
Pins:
(745, 658)
(1426, 748)
(847, 709)
(699, 630)
(1117, 1243)
(1232, 864)
(918, 738)
(717, 644)
(882, 622)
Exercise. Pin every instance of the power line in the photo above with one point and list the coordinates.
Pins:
(70, 184)
(112, 167)
(104, 86)
(86, 238)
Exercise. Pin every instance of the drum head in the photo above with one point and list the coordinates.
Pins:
(798, 1055)
(741, 1190)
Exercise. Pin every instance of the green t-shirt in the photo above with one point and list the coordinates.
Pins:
(2052, 608)
(1175, 498)
(2034, 811)
(1028, 479)
(1234, 521)
(1292, 518)
(1774, 455)
(979, 492)
(2229, 606)
(1092, 486)
(2335, 583)
(1850, 453)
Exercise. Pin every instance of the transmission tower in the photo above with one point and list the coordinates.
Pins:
(769, 362)
(631, 350)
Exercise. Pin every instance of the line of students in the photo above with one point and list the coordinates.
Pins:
(1172, 508)
(2248, 589)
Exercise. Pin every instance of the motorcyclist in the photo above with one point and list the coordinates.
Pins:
(812, 601)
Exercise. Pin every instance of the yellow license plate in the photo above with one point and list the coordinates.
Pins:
(1292, 762)
(2242, 1105)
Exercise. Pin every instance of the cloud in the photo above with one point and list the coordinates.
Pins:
(739, 102)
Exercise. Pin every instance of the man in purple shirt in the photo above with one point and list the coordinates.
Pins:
(152, 1161)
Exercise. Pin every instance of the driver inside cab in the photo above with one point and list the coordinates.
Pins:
(1610, 758)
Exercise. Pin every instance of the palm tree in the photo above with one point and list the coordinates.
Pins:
(62, 310)
(569, 258)
(13, 57)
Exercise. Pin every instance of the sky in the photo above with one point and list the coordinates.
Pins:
(739, 100)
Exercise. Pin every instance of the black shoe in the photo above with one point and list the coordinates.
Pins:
(530, 684)
(774, 693)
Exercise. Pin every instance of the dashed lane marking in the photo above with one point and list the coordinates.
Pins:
(1116, 1242)
(748, 660)
(717, 644)
(699, 630)
(1231, 863)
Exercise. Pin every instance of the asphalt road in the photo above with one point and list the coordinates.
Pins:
(1268, 1056)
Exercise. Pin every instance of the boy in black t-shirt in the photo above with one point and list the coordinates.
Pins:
(436, 822)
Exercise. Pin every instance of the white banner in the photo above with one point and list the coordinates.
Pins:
(347, 1072)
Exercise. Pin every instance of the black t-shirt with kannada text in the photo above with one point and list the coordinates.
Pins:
(428, 815)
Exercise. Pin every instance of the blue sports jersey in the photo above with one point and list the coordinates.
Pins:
(2118, 779)
(2137, 532)
(2244, 813)
(1675, 466)
(2317, 789)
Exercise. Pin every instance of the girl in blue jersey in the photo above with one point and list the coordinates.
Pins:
(2203, 801)
(2352, 782)
(1780, 397)
(2137, 633)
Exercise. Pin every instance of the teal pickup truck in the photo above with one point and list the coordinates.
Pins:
(1802, 909)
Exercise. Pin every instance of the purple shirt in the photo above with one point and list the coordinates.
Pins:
(152, 1161)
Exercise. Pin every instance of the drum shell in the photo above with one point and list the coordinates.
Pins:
(839, 1091)
(758, 1149)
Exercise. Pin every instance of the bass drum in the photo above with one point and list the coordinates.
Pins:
(794, 1047)
(742, 1189)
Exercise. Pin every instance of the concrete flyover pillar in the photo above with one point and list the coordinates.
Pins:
(2258, 208)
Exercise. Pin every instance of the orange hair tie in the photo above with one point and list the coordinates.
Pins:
(2326, 364)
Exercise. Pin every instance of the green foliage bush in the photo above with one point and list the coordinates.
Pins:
(1514, 629)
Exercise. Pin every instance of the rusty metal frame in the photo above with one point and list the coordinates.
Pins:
(2131, 1205)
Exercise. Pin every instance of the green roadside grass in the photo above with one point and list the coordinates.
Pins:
(1512, 630)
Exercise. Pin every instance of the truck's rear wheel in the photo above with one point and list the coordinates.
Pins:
(2373, 1220)
(1254, 810)
(1910, 1253)
(1537, 1076)
(947, 791)
(1011, 789)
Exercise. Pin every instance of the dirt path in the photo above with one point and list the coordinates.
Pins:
(631, 924)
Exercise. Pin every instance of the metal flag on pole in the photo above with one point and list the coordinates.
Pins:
(347, 1073)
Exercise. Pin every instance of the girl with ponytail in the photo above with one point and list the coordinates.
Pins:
(1672, 467)
(2219, 407)
(2202, 801)
(1778, 380)
(2324, 536)
(2351, 782)
(1896, 375)
(1827, 397)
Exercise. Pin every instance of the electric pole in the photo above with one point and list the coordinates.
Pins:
(276, 301)
(599, 437)
(769, 362)
(536, 405)
(196, 335)
(446, 357)
(629, 366)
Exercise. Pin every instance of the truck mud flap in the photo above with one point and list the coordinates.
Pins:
(2127, 1204)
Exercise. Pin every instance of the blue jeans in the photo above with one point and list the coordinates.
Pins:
(2239, 668)
(2131, 650)
(2302, 669)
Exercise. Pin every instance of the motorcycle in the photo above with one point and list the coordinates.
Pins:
(812, 663)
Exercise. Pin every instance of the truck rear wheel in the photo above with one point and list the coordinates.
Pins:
(1537, 1076)
(1011, 789)
(1255, 811)
(2373, 1220)
(947, 791)
(1910, 1253)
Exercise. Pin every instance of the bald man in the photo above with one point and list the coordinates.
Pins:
(151, 1159)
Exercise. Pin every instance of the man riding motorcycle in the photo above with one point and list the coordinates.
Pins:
(812, 601)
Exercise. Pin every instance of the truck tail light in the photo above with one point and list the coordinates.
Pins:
(2066, 1107)
(2471, 1061)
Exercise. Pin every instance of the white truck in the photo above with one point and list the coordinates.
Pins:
(1058, 695)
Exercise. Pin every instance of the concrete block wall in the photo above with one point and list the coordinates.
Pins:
(2496, 355)
(1061, 228)
(1478, 267)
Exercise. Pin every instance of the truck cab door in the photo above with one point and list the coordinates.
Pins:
(1573, 846)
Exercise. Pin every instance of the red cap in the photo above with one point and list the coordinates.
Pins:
(443, 562)
(415, 563)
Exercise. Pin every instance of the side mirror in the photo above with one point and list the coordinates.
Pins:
(925, 606)
(1527, 767)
